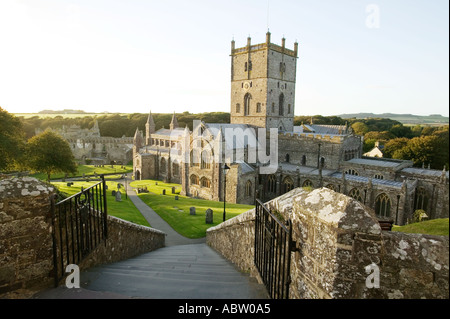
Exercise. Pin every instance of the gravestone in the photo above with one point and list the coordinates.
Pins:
(192, 210)
(164, 192)
(118, 196)
(176, 197)
(173, 190)
(113, 193)
(209, 216)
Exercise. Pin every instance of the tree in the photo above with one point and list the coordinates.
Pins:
(50, 153)
(360, 128)
(393, 146)
(12, 141)
(421, 150)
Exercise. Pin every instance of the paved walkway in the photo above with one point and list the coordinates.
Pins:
(184, 269)
(172, 238)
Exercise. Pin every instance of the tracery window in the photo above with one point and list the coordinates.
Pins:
(383, 205)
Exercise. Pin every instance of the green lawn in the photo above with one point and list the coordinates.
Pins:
(89, 170)
(429, 227)
(176, 212)
(124, 209)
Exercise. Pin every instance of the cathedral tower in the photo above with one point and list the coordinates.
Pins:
(263, 84)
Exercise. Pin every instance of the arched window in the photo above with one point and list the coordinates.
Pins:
(288, 184)
(248, 189)
(175, 169)
(322, 162)
(287, 158)
(247, 99)
(356, 194)
(206, 160)
(378, 176)
(383, 205)
(204, 182)
(307, 183)
(303, 160)
(351, 172)
(421, 199)
(194, 179)
(258, 107)
(281, 105)
(162, 168)
(194, 158)
(238, 108)
(272, 184)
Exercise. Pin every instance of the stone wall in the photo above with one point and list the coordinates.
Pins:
(26, 246)
(25, 234)
(125, 240)
(342, 250)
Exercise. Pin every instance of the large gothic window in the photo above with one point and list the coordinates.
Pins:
(272, 184)
(383, 205)
(206, 160)
(281, 105)
(194, 179)
(288, 184)
(421, 199)
(356, 194)
(247, 99)
(205, 182)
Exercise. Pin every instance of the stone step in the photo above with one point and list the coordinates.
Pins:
(187, 271)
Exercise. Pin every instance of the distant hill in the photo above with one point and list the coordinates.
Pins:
(434, 119)
(65, 111)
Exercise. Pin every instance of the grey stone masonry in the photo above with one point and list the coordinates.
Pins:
(342, 251)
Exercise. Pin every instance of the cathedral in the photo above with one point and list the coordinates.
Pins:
(261, 154)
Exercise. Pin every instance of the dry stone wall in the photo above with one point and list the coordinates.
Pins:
(342, 251)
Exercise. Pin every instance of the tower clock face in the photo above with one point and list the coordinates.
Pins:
(246, 86)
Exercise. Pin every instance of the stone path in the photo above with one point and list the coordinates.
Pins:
(184, 269)
(172, 238)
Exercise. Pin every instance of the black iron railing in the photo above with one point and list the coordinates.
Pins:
(79, 226)
(273, 247)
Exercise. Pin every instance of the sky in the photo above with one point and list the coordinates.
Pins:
(133, 56)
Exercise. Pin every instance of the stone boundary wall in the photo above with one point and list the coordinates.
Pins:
(26, 246)
(342, 251)
(125, 240)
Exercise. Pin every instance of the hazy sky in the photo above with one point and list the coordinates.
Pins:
(139, 55)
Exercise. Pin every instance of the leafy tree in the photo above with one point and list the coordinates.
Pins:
(394, 145)
(12, 140)
(421, 150)
(401, 131)
(50, 153)
(360, 128)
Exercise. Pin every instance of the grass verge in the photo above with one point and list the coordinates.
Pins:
(176, 212)
(89, 170)
(124, 209)
(430, 227)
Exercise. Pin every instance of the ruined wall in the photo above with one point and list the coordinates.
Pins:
(26, 246)
(340, 246)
